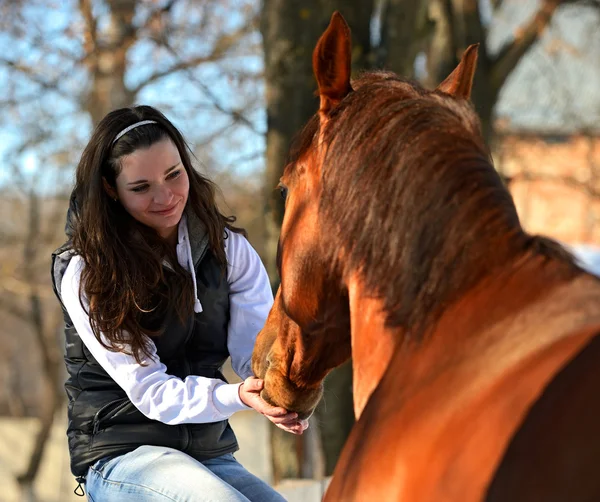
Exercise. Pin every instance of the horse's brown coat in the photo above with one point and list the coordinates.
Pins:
(457, 403)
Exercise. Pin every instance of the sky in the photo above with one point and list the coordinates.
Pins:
(556, 87)
(588, 257)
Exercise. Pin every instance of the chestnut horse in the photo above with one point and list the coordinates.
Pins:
(474, 344)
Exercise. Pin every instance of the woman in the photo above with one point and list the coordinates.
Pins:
(158, 289)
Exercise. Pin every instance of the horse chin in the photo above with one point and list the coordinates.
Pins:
(280, 391)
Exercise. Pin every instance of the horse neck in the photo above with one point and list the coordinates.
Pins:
(373, 344)
(482, 324)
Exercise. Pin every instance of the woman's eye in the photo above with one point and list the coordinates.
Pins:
(283, 191)
(140, 189)
(174, 174)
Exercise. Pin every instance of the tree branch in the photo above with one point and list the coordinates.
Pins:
(90, 35)
(24, 100)
(510, 55)
(179, 66)
(36, 78)
(245, 158)
(219, 132)
(222, 46)
(236, 115)
(155, 18)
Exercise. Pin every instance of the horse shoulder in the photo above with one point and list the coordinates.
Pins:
(474, 439)
(456, 457)
(555, 452)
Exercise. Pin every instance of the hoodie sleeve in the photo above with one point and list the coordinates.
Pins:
(250, 300)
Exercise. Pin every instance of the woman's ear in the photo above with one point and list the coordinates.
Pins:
(112, 193)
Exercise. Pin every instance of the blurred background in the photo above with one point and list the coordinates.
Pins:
(235, 76)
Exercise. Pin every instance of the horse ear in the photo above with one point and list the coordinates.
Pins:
(460, 81)
(332, 63)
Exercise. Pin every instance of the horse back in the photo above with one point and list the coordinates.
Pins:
(555, 453)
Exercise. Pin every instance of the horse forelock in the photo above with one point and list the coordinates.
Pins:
(411, 197)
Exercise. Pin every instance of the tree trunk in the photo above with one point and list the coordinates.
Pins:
(458, 25)
(290, 29)
(335, 414)
(358, 14)
(107, 60)
(405, 27)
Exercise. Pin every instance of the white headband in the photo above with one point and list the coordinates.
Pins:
(133, 126)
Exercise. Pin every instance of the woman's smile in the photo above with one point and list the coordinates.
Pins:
(168, 211)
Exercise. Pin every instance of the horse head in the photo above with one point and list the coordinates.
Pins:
(308, 331)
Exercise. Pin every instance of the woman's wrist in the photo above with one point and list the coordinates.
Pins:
(240, 390)
(227, 399)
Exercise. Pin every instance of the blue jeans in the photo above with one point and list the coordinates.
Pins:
(158, 474)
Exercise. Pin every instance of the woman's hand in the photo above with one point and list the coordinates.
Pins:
(249, 392)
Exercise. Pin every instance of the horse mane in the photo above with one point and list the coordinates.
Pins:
(431, 215)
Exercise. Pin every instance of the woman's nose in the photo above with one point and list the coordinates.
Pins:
(163, 196)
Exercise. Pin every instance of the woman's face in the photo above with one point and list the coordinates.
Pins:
(153, 186)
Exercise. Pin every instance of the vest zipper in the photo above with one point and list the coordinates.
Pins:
(79, 491)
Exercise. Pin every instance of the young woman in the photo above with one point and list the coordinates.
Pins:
(158, 289)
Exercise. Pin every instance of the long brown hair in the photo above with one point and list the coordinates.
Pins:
(123, 278)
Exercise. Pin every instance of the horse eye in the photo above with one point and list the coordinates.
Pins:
(283, 191)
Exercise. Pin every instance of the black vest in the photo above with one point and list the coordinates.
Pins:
(102, 420)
